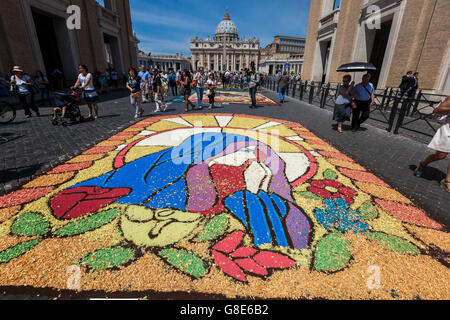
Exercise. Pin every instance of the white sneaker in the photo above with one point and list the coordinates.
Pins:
(136, 116)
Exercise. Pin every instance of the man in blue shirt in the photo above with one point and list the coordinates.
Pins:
(144, 75)
(173, 83)
(363, 96)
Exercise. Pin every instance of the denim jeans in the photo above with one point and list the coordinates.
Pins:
(200, 96)
(282, 93)
(253, 95)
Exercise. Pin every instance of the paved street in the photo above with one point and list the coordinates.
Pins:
(36, 146)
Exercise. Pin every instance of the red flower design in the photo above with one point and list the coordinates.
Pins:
(76, 202)
(318, 187)
(235, 261)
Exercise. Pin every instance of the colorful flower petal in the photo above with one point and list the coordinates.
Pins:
(251, 266)
(228, 266)
(76, 202)
(320, 192)
(332, 183)
(270, 259)
(347, 191)
(230, 243)
(244, 252)
(317, 184)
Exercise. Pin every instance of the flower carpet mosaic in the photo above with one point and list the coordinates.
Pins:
(220, 204)
(227, 96)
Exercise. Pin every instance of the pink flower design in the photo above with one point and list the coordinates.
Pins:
(235, 260)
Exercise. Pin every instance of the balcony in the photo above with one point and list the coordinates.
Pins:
(328, 23)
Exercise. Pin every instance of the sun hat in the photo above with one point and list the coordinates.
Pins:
(17, 69)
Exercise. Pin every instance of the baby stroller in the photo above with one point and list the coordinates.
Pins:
(72, 102)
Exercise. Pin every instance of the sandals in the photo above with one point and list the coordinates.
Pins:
(417, 172)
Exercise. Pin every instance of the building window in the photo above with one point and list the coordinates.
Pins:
(336, 4)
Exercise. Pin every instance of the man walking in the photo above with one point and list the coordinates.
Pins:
(363, 96)
(173, 83)
(145, 76)
(253, 81)
(283, 83)
(158, 90)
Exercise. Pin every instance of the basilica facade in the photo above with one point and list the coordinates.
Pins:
(226, 51)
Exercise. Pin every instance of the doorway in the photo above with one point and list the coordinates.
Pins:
(379, 49)
(48, 43)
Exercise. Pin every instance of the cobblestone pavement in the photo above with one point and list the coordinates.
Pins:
(35, 146)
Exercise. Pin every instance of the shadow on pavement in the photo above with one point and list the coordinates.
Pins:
(430, 173)
(18, 173)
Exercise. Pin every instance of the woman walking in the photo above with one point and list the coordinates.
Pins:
(85, 82)
(186, 89)
(42, 83)
(211, 93)
(134, 85)
(343, 107)
(440, 143)
(24, 84)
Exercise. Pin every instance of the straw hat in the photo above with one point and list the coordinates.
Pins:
(17, 69)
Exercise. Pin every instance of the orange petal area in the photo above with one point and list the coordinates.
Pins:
(49, 180)
(109, 143)
(408, 213)
(134, 130)
(381, 192)
(346, 164)
(71, 167)
(325, 147)
(23, 196)
(121, 138)
(362, 176)
(84, 158)
(7, 213)
(317, 142)
(431, 237)
(97, 150)
(336, 155)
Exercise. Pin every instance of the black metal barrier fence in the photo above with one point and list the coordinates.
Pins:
(409, 113)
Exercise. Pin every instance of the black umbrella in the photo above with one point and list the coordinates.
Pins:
(356, 67)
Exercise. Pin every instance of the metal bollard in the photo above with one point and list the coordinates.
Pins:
(311, 92)
(393, 114)
(402, 114)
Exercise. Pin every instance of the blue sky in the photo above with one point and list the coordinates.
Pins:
(166, 26)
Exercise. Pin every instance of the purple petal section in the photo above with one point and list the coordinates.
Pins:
(298, 227)
(202, 193)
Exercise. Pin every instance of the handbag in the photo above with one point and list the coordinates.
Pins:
(136, 95)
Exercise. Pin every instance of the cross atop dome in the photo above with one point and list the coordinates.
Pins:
(227, 15)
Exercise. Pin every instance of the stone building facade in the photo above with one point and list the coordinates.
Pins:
(285, 53)
(164, 62)
(226, 51)
(34, 35)
(395, 35)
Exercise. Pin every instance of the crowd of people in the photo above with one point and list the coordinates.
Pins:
(152, 85)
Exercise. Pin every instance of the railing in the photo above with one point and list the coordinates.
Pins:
(408, 113)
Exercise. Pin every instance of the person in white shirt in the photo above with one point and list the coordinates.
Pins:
(212, 86)
(23, 85)
(201, 79)
(85, 83)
